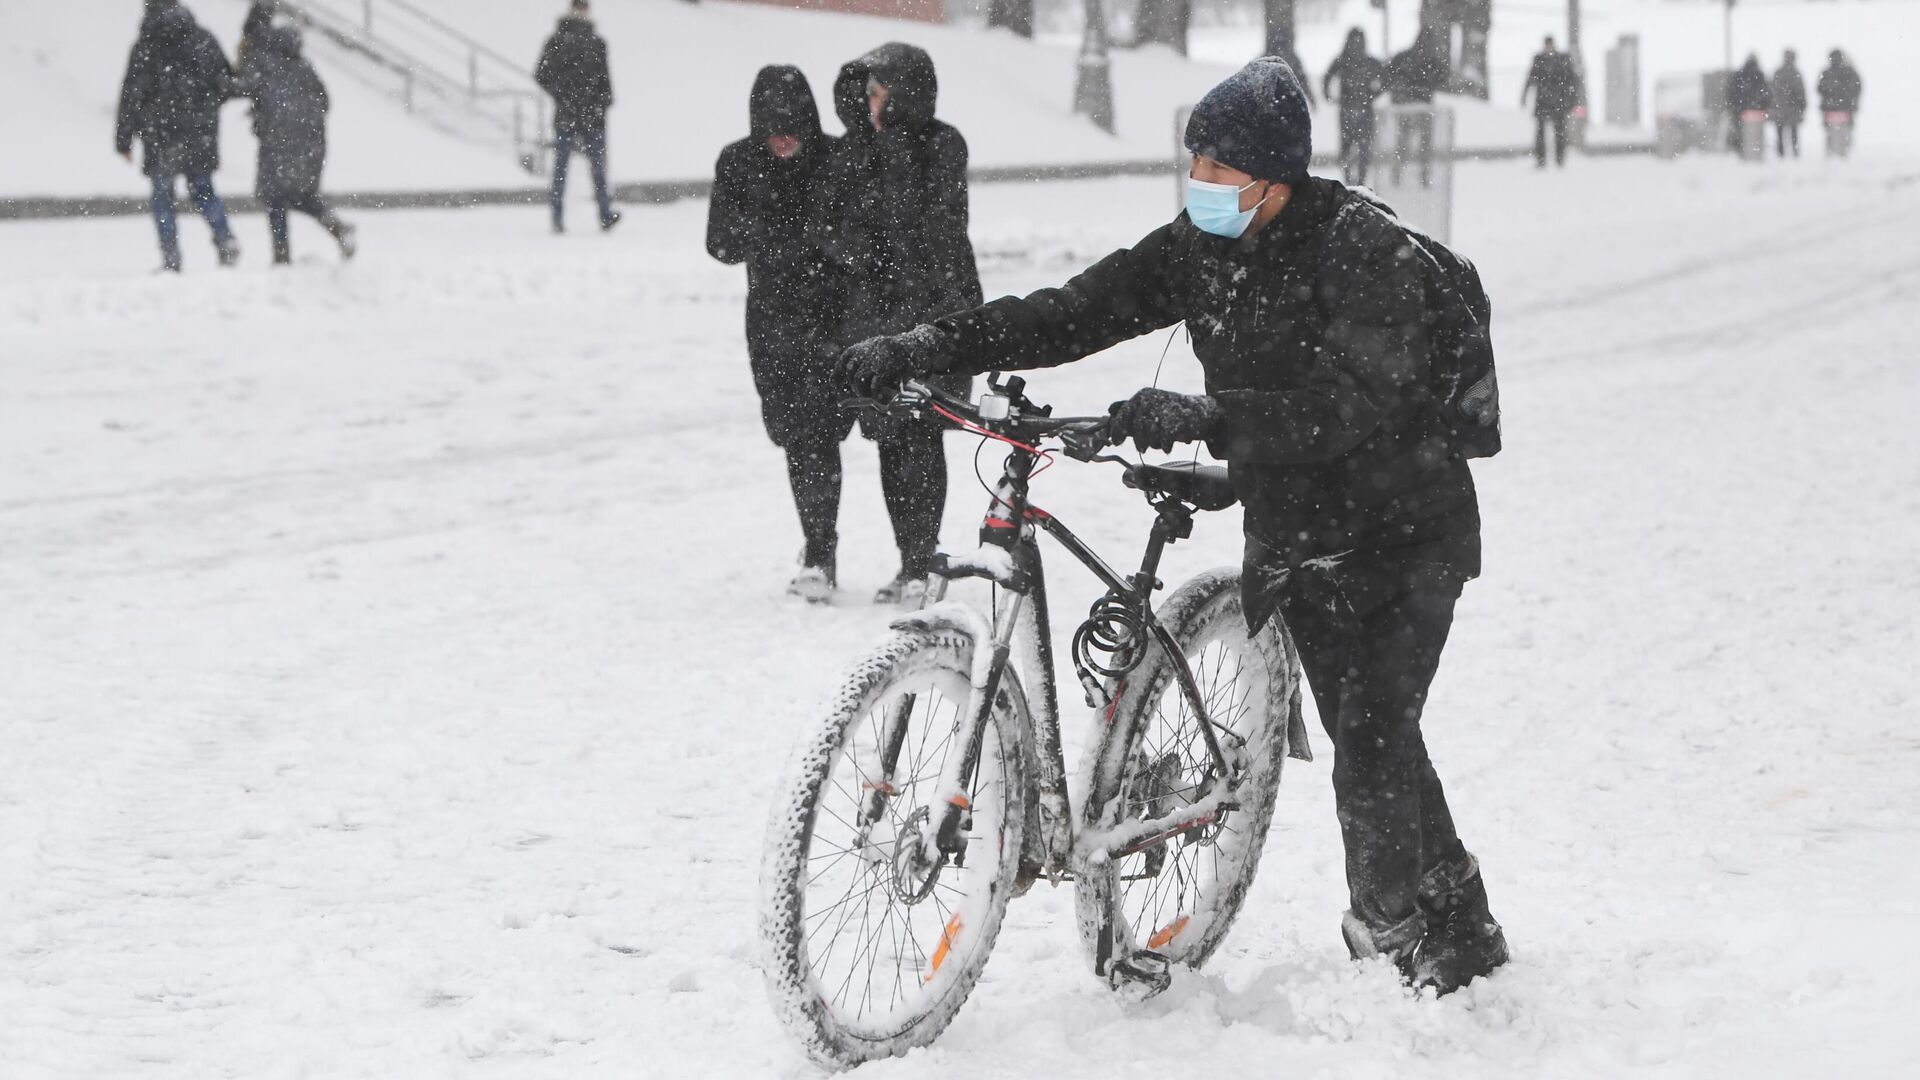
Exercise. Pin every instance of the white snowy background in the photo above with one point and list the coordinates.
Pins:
(397, 668)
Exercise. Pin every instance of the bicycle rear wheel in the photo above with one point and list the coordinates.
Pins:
(1176, 897)
(873, 938)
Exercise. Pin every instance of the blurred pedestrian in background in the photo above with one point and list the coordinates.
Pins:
(177, 78)
(290, 120)
(1362, 78)
(1413, 77)
(1788, 96)
(259, 17)
(1748, 99)
(573, 68)
(1556, 90)
(1839, 89)
(893, 221)
(764, 189)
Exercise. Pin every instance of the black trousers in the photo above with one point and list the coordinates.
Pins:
(1557, 122)
(1356, 145)
(913, 478)
(1789, 135)
(1413, 143)
(310, 205)
(813, 471)
(1369, 670)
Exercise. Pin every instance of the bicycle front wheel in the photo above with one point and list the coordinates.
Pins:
(1176, 895)
(874, 937)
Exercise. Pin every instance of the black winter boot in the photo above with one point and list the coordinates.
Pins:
(1463, 941)
(1396, 941)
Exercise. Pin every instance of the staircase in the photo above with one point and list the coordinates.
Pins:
(440, 76)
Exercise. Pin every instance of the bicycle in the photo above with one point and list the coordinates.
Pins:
(935, 789)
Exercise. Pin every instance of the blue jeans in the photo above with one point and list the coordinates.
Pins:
(594, 145)
(200, 187)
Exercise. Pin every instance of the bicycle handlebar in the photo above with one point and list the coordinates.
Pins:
(1081, 437)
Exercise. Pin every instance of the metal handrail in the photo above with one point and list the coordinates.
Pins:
(511, 85)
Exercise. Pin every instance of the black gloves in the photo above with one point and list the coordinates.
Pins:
(1157, 419)
(877, 366)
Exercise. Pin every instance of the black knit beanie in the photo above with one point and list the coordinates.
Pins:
(1256, 121)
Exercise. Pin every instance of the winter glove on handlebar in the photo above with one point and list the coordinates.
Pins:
(875, 367)
(1156, 419)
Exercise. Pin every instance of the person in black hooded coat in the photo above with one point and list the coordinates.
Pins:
(290, 120)
(1362, 78)
(573, 69)
(892, 219)
(177, 79)
(1748, 94)
(764, 187)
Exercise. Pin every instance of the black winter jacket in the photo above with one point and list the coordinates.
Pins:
(177, 78)
(289, 115)
(1554, 82)
(759, 215)
(892, 214)
(1747, 90)
(1362, 78)
(1789, 92)
(1414, 76)
(1314, 342)
(1839, 88)
(573, 68)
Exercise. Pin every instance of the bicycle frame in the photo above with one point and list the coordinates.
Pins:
(1009, 556)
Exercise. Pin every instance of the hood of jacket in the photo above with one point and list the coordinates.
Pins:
(907, 73)
(574, 26)
(280, 41)
(782, 104)
(167, 23)
(1356, 43)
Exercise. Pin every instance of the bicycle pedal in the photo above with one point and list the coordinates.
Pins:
(1140, 975)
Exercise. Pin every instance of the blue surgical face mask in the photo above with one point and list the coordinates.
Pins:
(1215, 208)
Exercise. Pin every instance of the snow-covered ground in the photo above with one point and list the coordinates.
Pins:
(398, 671)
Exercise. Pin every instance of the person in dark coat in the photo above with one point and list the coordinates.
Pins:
(177, 78)
(1788, 104)
(1555, 86)
(764, 187)
(1839, 89)
(573, 69)
(259, 17)
(1310, 321)
(1747, 95)
(1413, 78)
(892, 219)
(290, 120)
(1362, 78)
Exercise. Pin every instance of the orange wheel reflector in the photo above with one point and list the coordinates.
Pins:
(884, 787)
(1167, 933)
(947, 937)
(961, 802)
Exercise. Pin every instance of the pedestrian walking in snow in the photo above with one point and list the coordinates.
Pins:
(1555, 86)
(290, 120)
(1787, 97)
(1313, 315)
(892, 219)
(177, 78)
(1413, 78)
(573, 69)
(1362, 78)
(764, 189)
(1748, 100)
(1839, 89)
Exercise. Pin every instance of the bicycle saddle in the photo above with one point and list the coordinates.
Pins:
(1206, 487)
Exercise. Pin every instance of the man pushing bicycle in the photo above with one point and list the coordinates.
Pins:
(1329, 346)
